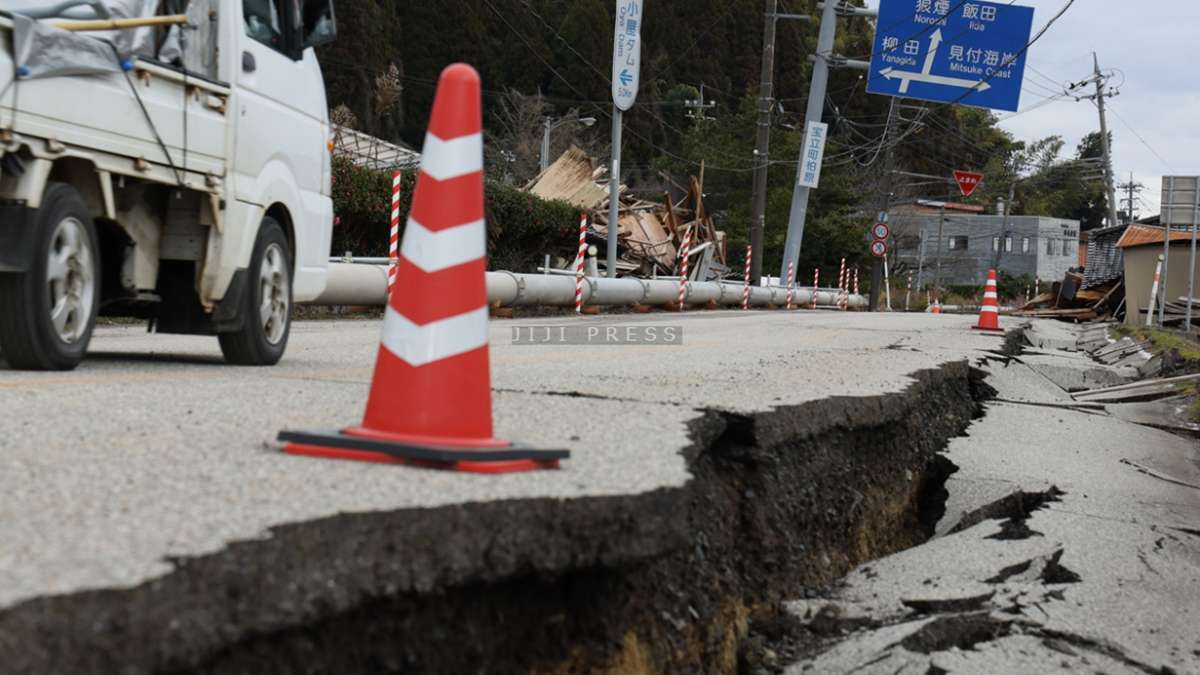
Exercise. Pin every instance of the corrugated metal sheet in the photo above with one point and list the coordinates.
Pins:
(1144, 235)
(1105, 259)
(373, 153)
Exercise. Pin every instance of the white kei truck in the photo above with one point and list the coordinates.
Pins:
(167, 160)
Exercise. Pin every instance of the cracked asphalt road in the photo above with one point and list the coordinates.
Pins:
(1104, 577)
(154, 449)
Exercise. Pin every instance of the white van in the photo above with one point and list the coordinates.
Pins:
(178, 173)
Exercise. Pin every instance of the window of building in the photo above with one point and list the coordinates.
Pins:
(1066, 246)
(1008, 242)
(1025, 244)
(959, 243)
(1049, 246)
(995, 244)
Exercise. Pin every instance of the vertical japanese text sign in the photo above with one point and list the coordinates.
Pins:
(814, 154)
(627, 53)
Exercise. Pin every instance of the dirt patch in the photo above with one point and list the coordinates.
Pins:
(781, 505)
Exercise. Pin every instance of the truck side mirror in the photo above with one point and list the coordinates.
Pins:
(319, 23)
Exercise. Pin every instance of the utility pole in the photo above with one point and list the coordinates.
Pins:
(822, 60)
(1012, 195)
(762, 148)
(1132, 189)
(697, 109)
(1101, 82)
(1108, 165)
(815, 112)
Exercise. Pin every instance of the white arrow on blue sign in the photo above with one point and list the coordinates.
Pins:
(951, 51)
(627, 53)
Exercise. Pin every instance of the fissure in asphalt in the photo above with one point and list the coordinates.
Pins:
(781, 504)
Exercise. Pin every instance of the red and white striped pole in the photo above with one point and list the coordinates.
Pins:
(908, 293)
(856, 281)
(791, 287)
(683, 266)
(842, 282)
(394, 240)
(579, 262)
(816, 285)
(746, 287)
(1154, 292)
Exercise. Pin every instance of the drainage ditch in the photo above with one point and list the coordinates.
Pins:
(684, 580)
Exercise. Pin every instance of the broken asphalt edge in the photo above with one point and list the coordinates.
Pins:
(743, 534)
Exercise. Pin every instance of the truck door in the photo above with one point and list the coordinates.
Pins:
(282, 129)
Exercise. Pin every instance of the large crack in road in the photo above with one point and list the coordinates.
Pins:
(1022, 578)
(780, 502)
(742, 569)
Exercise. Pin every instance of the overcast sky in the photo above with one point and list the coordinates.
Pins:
(1154, 45)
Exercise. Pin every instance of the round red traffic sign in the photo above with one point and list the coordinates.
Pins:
(879, 248)
(881, 231)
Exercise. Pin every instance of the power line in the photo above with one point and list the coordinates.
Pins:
(602, 110)
(1139, 137)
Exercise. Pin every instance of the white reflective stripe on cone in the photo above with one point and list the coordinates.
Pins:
(989, 296)
(450, 159)
(435, 251)
(421, 345)
(990, 308)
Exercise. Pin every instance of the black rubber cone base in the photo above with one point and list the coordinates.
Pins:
(338, 445)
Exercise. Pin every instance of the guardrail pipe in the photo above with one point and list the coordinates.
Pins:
(366, 285)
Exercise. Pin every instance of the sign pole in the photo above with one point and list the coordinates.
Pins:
(1187, 325)
(626, 78)
(937, 279)
(887, 284)
(614, 194)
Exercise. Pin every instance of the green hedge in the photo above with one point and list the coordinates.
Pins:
(522, 228)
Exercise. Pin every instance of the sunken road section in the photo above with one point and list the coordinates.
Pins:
(665, 581)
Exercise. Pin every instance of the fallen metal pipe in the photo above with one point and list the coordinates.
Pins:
(366, 285)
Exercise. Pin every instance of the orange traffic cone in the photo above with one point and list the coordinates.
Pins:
(431, 397)
(937, 307)
(989, 313)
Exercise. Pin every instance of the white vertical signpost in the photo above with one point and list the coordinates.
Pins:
(626, 76)
(814, 154)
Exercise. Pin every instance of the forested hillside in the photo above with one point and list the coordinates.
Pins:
(384, 67)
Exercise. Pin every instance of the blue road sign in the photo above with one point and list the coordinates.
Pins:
(951, 51)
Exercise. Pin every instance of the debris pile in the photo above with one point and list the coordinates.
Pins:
(1067, 300)
(1176, 312)
(649, 234)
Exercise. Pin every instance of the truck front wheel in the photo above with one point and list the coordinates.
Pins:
(263, 333)
(48, 312)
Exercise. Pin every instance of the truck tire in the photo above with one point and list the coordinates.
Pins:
(263, 335)
(50, 309)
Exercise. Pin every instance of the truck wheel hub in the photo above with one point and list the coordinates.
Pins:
(70, 275)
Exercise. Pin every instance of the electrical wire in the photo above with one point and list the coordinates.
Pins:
(1139, 137)
(604, 111)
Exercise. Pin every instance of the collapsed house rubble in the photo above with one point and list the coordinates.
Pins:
(1068, 300)
(650, 234)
